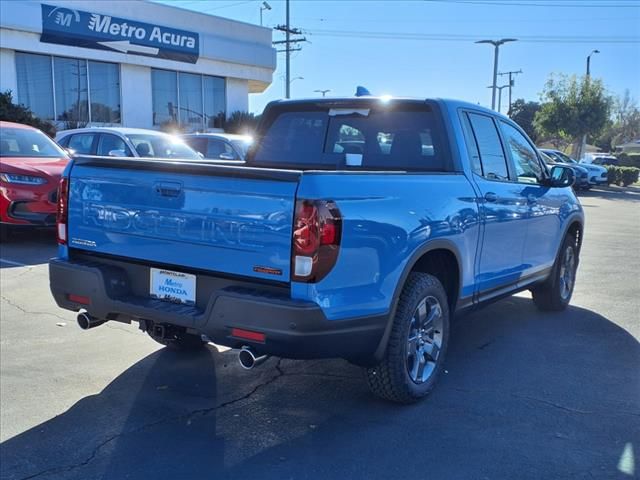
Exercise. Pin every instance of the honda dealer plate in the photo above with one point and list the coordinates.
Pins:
(173, 286)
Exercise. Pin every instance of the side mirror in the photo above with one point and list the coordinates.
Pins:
(117, 153)
(561, 176)
(200, 154)
(227, 156)
(70, 151)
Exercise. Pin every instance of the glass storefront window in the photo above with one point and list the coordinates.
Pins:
(164, 87)
(214, 101)
(35, 84)
(195, 101)
(104, 92)
(60, 88)
(72, 95)
(190, 99)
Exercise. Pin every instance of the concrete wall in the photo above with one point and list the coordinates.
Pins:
(137, 106)
(8, 80)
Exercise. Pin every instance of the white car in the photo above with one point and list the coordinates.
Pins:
(597, 174)
(125, 142)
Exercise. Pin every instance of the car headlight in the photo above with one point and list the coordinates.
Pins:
(22, 179)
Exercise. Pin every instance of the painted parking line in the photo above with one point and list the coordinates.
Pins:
(15, 264)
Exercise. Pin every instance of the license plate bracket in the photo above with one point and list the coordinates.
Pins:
(171, 286)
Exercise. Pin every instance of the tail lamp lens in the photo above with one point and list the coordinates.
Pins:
(63, 210)
(317, 230)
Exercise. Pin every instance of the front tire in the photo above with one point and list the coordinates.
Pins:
(417, 344)
(555, 294)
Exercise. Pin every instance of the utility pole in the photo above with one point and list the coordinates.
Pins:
(511, 83)
(288, 31)
(496, 44)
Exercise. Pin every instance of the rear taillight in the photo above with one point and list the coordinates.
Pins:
(63, 210)
(317, 228)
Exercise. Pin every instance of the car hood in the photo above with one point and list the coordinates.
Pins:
(41, 167)
(593, 168)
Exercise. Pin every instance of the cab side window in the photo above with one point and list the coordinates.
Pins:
(489, 147)
(525, 159)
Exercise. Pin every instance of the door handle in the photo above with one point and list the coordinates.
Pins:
(490, 197)
(168, 189)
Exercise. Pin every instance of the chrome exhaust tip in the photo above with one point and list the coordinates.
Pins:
(86, 321)
(248, 359)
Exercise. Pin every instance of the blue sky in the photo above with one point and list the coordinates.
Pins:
(556, 37)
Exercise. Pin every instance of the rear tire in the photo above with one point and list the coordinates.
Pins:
(555, 293)
(417, 344)
(180, 340)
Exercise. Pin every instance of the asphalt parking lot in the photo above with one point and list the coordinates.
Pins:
(525, 394)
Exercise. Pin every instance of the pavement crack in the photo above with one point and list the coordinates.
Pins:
(186, 416)
(30, 312)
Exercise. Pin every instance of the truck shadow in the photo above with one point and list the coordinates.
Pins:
(523, 393)
(27, 247)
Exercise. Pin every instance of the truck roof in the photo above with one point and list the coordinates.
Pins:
(365, 100)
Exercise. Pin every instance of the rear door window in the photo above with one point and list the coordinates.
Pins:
(82, 143)
(361, 138)
(492, 157)
(219, 149)
(109, 143)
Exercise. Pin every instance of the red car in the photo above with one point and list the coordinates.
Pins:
(30, 168)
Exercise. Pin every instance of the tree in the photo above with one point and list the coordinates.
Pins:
(10, 112)
(573, 108)
(523, 113)
(624, 125)
(241, 122)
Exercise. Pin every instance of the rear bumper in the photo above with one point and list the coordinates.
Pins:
(293, 329)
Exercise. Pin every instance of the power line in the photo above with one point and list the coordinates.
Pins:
(471, 37)
(555, 4)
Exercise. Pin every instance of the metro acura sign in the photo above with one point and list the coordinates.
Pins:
(67, 26)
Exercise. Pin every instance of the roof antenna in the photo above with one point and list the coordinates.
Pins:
(362, 92)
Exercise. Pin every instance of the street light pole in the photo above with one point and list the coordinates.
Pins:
(589, 62)
(264, 6)
(323, 92)
(499, 88)
(496, 44)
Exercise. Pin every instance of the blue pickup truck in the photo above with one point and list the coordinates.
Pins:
(356, 230)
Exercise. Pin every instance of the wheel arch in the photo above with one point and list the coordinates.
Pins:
(436, 258)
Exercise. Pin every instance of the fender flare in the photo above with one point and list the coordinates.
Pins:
(436, 244)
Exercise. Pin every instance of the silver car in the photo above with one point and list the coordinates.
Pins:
(224, 147)
(125, 142)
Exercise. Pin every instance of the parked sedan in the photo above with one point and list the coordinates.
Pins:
(597, 173)
(125, 142)
(30, 168)
(225, 147)
(581, 174)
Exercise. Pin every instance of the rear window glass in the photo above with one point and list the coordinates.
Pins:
(384, 139)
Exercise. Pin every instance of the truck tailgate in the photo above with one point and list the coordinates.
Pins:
(233, 220)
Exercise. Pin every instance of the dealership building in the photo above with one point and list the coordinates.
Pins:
(130, 63)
